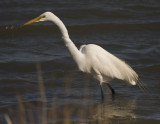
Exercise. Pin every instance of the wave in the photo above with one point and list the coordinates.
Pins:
(48, 65)
(151, 68)
(16, 29)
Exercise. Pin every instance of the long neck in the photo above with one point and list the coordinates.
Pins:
(76, 54)
(61, 26)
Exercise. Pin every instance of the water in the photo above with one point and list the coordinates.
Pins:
(34, 54)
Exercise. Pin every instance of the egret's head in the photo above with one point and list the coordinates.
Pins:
(43, 17)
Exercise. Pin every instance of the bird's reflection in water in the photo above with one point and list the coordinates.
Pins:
(118, 110)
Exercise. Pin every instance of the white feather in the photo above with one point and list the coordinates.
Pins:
(100, 62)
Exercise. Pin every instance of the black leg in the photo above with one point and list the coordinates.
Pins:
(102, 96)
(112, 90)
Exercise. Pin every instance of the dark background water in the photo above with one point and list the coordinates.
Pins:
(128, 29)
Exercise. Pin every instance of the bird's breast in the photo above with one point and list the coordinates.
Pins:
(84, 66)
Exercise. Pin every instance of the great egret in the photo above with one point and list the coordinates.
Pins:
(93, 59)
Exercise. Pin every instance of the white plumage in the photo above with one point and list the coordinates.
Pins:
(100, 62)
(92, 58)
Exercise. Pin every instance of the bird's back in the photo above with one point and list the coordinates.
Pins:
(99, 61)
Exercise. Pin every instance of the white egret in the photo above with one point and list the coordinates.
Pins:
(93, 59)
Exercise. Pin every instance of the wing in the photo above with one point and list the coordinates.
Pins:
(108, 65)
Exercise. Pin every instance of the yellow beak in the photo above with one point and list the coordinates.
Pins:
(33, 20)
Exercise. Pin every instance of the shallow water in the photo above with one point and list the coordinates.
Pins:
(35, 53)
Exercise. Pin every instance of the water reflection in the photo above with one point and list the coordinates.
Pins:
(105, 112)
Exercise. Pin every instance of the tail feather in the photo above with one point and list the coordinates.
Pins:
(142, 86)
(133, 82)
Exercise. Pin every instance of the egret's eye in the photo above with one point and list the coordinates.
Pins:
(43, 16)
